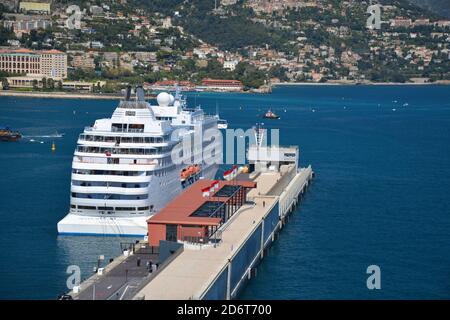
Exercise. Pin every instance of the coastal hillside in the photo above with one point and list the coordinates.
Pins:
(333, 34)
(440, 7)
(254, 42)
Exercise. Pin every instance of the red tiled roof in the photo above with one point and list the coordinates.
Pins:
(24, 50)
(53, 51)
(221, 81)
(180, 209)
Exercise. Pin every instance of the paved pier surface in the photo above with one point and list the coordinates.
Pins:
(119, 280)
(189, 275)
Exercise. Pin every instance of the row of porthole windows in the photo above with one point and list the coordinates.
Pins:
(80, 207)
(108, 184)
(110, 172)
(106, 196)
(158, 173)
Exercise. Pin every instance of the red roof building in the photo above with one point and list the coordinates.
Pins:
(194, 218)
(219, 84)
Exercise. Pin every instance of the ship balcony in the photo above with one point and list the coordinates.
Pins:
(132, 169)
(127, 130)
(84, 150)
(115, 161)
(106, 211)
(118, 138)
(111, 178)
(109, 203)
(114, 129)
(113, 190)
(129, 145)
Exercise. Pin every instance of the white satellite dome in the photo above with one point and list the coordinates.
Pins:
(163, 99)
(172, 99)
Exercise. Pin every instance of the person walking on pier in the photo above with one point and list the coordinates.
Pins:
(149, 266)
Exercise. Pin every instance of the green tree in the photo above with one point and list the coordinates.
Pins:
(50, 84)
(5, 84)
(5, 35)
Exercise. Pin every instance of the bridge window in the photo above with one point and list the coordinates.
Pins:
(86, 208)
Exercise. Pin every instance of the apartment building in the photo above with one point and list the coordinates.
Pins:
(46, 63)
(35, 7)
(26, 26)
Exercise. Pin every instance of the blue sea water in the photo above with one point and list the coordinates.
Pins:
(381, 194)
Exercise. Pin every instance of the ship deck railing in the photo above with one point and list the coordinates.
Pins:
(118, 130)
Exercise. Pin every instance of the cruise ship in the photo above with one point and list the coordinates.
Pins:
(123, 170)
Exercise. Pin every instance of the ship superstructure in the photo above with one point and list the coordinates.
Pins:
(123, 170)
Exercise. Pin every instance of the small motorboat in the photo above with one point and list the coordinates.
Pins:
(8, 135)
(271, 115)
(222, 124)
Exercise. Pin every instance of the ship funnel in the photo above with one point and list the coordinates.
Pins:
(140, 94)
(128, 93)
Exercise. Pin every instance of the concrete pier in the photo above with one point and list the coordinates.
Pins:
(244, 224)
(123, 278)
(206, 271)
(215, 270)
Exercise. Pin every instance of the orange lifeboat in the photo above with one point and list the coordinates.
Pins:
(196, 168)
(190, 171)
(184, 174)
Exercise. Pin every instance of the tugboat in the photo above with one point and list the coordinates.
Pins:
(271, 115)
(8, 135)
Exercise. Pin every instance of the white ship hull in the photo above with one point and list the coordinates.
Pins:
(74, 224)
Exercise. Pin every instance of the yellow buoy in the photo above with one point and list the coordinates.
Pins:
(53, 147)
